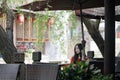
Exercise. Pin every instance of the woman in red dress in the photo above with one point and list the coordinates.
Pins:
(77, 53)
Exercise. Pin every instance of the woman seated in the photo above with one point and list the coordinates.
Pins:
(78, 54)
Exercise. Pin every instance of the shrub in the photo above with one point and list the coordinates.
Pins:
(81, 71)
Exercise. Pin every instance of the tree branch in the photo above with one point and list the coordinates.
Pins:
(94, 33)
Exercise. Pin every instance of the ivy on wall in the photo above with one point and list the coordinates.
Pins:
(58, 29)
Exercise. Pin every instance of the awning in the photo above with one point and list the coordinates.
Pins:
(90, 8)
(97, 13)
(64, 4)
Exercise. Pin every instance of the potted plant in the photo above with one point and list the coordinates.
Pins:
(81, 71)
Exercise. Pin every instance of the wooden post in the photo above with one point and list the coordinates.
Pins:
(109, 55)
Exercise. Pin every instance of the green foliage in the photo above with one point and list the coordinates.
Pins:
(57, 32)
(39, 45)
(102, 77)
(40, 24)
(15, 3)
(29, 51)
(81, 71)
(73, 21)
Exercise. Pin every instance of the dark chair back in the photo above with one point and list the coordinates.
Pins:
(8, 71)
(117, 67)
(90, 54)
(41, 71)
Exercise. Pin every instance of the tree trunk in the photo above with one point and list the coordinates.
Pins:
(9, 19)
(7, 48)
(95, 34)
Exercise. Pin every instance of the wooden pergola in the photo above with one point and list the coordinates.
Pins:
(109, 16)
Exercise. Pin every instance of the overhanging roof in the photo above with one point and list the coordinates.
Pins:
(64, 4)
(91, 8)
(99, 13)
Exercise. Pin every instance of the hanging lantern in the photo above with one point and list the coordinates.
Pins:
(77, 12)
(50, 21)
(20, 18)
(33, 19)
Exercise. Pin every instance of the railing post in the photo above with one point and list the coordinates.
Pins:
(36, 56)
(19, 58)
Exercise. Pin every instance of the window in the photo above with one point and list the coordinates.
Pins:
(26, 31)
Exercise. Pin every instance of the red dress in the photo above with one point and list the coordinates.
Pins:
(79, 59)
(72, 60)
